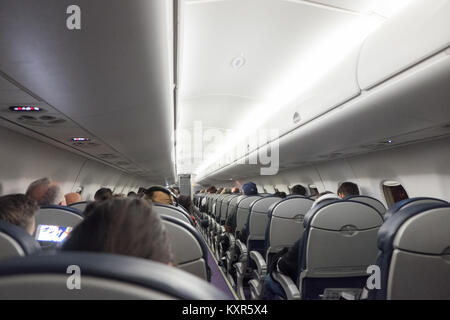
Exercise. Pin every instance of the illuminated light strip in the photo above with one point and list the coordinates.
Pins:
(308, 71)
(25, 108)
(80, 139)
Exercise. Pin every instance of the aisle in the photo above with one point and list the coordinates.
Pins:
(217, 277)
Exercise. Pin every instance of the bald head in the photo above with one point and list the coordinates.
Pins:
(45, 192)
(72, 197)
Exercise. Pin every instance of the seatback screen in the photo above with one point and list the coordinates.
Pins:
(52, 233)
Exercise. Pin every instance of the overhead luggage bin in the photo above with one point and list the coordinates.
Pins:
(414, 35)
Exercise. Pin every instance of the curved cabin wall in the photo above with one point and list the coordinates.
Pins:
(24, 159)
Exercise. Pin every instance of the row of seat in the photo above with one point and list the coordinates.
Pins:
(340, 241)
(189, 248)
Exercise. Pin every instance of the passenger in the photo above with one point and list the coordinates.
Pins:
(226, 191)
(219, 191)
(119, 195)
(280, 194)
(103, 194)
(235, 190)
(160, 195)
(176, 190)
(46, 192)
(187, 203)
(249, 189)
(19, 209)
(72, 197)
(298, 190)
(347, 189)
(122, 226)
(210, 190)
(132, 194)
(287, 261)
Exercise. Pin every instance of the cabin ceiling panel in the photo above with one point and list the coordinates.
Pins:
(113, 77)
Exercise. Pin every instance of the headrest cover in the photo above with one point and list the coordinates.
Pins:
(388, 230)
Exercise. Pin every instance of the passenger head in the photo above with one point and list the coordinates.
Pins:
(176, 190)
(132, 194)
(235, 190)
(72, 197)
(45, 192)
(19, 209)
(212, 189)
(122, 226)
(298, 190)
(280, 194)
(103, 194)
(160, 195)
(348, 189)
(186, 202)
(249, 189)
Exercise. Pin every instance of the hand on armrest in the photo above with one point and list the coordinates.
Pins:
(289, 287)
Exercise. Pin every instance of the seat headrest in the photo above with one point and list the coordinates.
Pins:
(178, 210)
(377, 204)
(334, 214)
(409, 203)
(263, 204)
(289, 207)
(138, 272)
(63, 208)
(20, 237)
(391, 227)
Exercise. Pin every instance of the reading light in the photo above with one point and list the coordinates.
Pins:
(24, 109)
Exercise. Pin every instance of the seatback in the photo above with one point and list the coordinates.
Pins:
(219, 205)
(285, 224)
(233, 204)
(408, 203)
(189, 249)
(230, 206)
(15, 242)
(210, 202)
(257, 222)
(338, 244)
(103, 276)
(60, 216)
(415, 254)
(377, 204)
(172, 211)
(224, 208)
(80, 206)
(242, 212)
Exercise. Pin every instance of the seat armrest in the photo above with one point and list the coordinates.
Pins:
(242, 248)
(260, 263)
(231, 240)
(289, 287)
